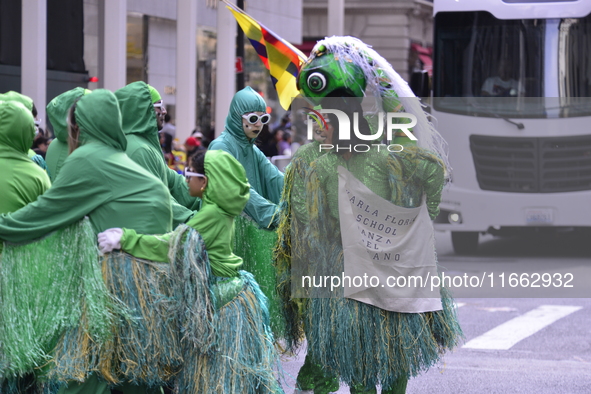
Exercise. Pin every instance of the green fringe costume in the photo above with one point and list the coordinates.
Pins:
(242, 354)
(139, 321)
(42, 296)
(364, 345)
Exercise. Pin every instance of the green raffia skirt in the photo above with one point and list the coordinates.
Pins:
(368, 346)
(66, 314)
(255, 246)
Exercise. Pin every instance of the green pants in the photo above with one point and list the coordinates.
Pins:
(399, 387)
(93, 385)
(313, 376)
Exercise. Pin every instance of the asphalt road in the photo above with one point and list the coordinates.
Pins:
(517, 339)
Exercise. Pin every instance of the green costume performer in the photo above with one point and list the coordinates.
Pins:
(347, 337)
(22, 181)
(143, 145)
(253, 241)
(98, 180)
(57, 112)
(244, 357)
(223, 199)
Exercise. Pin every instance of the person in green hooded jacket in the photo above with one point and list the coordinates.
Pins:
(238, 137)
(139, 104)
(22, 181)
(220, 181)
(244, 357)
(97, 180)
(57, 112)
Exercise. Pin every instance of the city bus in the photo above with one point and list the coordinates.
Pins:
(511, 94)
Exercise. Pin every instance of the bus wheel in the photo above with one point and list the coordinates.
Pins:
(464, 242)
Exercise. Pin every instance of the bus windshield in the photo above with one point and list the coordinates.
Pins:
(520, 68)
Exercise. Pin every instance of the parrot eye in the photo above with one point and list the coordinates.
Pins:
(316, 82)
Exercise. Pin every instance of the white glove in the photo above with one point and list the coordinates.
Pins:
(110, 239)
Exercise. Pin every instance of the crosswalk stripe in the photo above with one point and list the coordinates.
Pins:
(506, 335)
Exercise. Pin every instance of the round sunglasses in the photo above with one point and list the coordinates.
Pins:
(254, 118)
(188, 174)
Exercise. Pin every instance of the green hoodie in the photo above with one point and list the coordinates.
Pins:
(57, 111)
(224, 198)
(18, 97)
(265, 179)
(22, 181)
(28, 103)
(97, 180)
(143, 146)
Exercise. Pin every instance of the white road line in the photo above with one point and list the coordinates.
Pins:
(506, 335)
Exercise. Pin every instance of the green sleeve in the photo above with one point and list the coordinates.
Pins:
(77, 191)
(262, 210)
(180, 214)
(148, 159)
(149, 247)
(272, 178)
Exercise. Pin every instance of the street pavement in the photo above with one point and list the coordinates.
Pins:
(513, 343)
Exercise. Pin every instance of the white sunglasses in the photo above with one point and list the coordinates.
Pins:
(254, 118)
(160, 105)
(189, 174)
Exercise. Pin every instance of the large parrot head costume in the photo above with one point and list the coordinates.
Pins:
(343, 66)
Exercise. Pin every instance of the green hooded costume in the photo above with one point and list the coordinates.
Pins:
(98, 179)
(266, 181)
(22, 181)
(143, 146)
(28, 103)
(252, 243)
(223, 199)
(57, 111)
(243, 359)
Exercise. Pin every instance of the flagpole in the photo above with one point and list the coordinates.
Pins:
(240, 61)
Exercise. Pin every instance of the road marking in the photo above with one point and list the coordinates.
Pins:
(498, 309)
(459, 304)
(506, 335)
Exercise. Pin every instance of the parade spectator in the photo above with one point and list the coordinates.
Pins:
(168, 127)
(40, 145)
(192, 145)
(284, 145)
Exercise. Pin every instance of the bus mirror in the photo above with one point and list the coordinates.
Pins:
(419, 83)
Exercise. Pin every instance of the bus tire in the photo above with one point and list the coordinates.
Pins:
(464, 242)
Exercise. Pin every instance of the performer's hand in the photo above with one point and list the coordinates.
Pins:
(110, 239)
